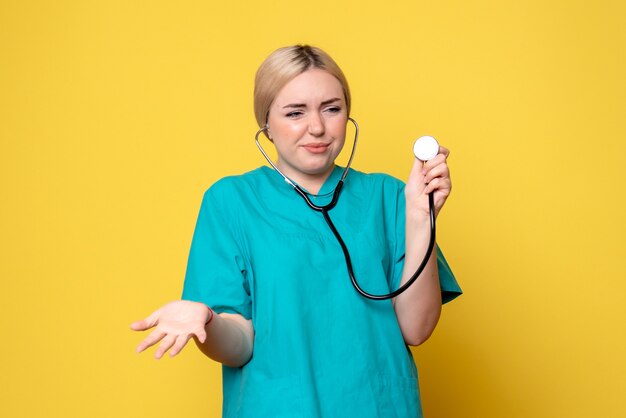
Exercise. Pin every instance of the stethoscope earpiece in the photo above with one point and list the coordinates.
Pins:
(426, 148)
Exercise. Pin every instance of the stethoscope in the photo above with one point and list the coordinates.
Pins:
(425, 148)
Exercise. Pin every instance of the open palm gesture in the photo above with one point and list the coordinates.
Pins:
(174, 325)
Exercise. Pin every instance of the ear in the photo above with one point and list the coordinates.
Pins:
(269, 134)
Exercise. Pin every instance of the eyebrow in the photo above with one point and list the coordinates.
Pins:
(301, 105)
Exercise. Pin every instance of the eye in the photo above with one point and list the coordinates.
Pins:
(294, 114)
(334, 109)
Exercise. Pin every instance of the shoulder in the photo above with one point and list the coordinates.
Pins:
(233, 186)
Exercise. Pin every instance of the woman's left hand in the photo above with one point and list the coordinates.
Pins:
(434, 176)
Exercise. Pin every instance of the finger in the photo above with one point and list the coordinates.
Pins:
(441, 171)
(438, 184)
(141, 325)
(429, 165)
(445, 151)
(181, 341)
(430, 187)
(165, 345)
(154, 337)
(147, 323)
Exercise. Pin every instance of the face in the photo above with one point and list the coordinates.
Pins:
(307, 123)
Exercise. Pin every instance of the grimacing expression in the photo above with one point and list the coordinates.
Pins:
(307, 123)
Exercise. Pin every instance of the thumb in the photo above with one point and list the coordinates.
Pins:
(416, 176)
(201, 335)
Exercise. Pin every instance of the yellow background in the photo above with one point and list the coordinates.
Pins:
(115, 116)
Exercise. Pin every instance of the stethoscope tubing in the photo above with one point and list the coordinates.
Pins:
(324, 210)
(405, 286)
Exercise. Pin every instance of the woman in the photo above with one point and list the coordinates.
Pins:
(267, 291)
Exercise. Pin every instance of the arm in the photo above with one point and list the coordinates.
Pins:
(419, 308)
(227, 338)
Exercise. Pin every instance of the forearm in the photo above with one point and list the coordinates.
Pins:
(419, 307)
(229, 339)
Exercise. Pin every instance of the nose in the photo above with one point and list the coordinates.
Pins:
(316, 124)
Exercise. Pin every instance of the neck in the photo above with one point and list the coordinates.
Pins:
(312, 183)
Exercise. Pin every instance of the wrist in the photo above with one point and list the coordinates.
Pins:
(417, 219)
(211, 315)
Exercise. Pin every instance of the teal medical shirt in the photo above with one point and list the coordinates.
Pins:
(320, 349)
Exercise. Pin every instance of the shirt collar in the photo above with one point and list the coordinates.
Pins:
(327, 189)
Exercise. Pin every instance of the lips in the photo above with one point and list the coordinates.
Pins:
(316, 148)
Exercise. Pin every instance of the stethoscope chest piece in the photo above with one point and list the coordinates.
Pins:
(426, 148)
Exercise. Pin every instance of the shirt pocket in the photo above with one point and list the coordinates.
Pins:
(398, 396)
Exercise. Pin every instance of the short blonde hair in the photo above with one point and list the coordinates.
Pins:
(283, 65)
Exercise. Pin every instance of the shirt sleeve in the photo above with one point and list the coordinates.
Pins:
(216, 269)
(450, 288)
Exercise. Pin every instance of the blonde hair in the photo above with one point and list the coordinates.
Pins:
(283, 65)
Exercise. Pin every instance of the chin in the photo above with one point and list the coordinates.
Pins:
(316, 169)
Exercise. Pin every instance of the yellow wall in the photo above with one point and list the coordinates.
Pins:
(116, 115)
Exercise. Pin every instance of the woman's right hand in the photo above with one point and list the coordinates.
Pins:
(176, 323)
